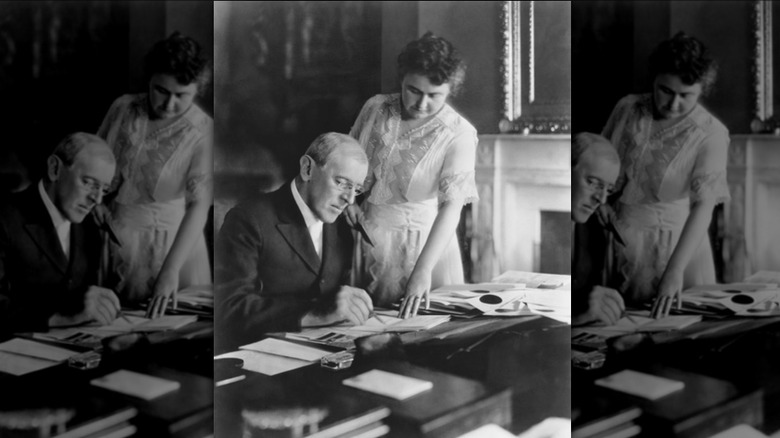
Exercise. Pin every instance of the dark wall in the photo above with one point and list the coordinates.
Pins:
(473, 27)
(63, 63)
(612, 40)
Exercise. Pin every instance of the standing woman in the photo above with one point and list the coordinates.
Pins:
(673, 172)
(421, 174)
(163, 187)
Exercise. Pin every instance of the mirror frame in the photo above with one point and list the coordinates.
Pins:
(522, 113)
(763, 105)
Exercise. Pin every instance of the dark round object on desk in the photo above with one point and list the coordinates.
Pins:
(490, 299)
(742, 299)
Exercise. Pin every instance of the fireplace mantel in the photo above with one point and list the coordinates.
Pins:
(518, 178)
(751, 234)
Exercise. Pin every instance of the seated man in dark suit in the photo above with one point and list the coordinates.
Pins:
(283, 259)
(595, 167)
(49, 250)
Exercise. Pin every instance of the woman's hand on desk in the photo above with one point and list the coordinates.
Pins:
(164, 290)
(669, 292)
(417, 290)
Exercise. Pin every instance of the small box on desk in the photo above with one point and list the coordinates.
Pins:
(703, 408)
(174, 413)
(452, 407)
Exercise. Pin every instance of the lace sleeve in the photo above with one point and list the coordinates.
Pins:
(709, 175)
(710, 186)
(460, 187)
(199, 176)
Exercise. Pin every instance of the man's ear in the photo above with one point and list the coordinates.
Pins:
(53, 167)
(307, 167)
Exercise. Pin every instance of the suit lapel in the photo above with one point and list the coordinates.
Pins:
(293, 229)
(41, 230)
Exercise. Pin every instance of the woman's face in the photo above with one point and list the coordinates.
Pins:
(168, 97)
(421, 98)
(672, 98)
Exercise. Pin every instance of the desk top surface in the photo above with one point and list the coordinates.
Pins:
(529, 356)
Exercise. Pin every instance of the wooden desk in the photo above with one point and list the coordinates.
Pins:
(532, 358)
(741, 352)
(185, 355)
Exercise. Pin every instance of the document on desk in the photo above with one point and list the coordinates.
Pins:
(131, 322)
(292, 350)
(23, 356)
(642, 322)
(535, 280)
(743, 299)
(391, 323)
(264, 363)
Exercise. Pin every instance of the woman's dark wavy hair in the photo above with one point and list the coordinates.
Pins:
(181, 57)
(686, 57)
(435, 58)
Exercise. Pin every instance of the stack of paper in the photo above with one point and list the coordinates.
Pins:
(514, 293)
(535, 280)
(273, 356)
(136, 384)
(389, 384)
(22, 356)
(196, 299)
(640, 384)
(744, 299)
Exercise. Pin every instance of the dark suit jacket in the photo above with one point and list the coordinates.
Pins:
(36, 279)
(589, 256)
(268, 275)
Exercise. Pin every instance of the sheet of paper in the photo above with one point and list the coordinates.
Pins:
(135, 384)
(394, 324)
(740, 431)
(263, 363)
(134, 322)
(166, 322)
(26, 347)
(772, 277)
(20, 365)
(324, 336)
(556, 313)
(478, 288)
(292, 350)
(640, 384)
(535, 280)
(553, 427)
(490, 431)
(388, 384)
(642, 322)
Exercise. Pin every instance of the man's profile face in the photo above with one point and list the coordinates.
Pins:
(324, 196)
(593, 179)
(78, 188)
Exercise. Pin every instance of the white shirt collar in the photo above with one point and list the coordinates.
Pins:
(61, 224)
(313, 224)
